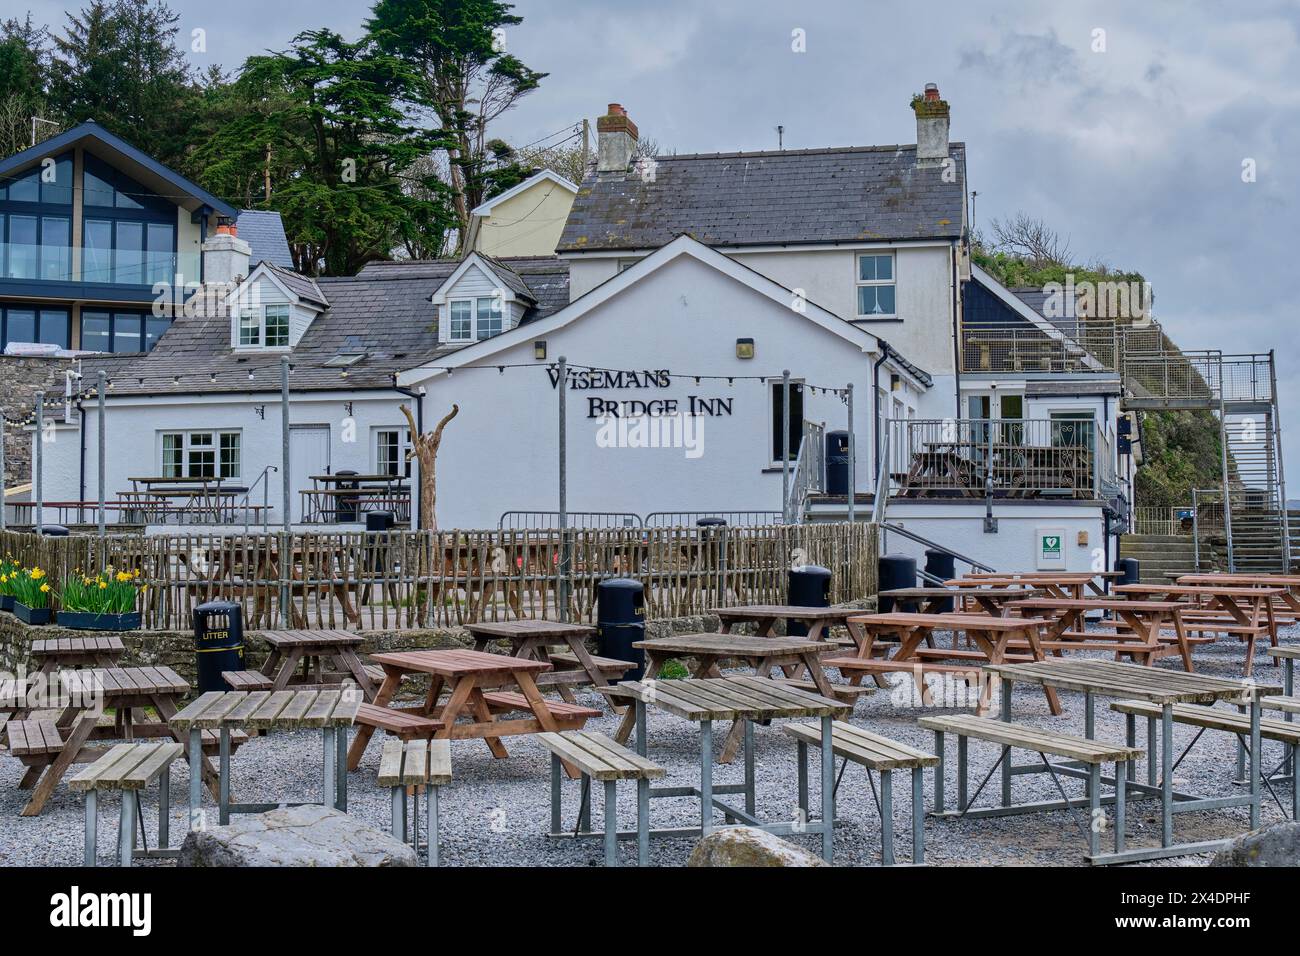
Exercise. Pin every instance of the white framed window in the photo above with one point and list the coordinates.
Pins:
(275, 319)
(250, 329)
(489, 317)
(391, 446)
(875, 282)
(461, 319)
(201, 454)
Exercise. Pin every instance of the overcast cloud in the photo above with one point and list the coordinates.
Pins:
(1135, 153)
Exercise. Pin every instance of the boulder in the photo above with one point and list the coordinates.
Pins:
(310, 835)
(1275, 845)
(748, 846)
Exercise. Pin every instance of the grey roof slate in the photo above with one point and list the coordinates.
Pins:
(304, 287)
(264, 231)
(850, 194)
(544, 279)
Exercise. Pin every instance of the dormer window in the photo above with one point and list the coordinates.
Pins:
(268, 326)
(474, 319)
(489, 317)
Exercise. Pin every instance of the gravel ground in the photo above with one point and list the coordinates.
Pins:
(497, 811)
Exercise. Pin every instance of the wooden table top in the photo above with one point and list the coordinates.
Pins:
(1005, 582)
(264, 709)
(1064, 576)
(732, 644)
(121, 681)
(730, 698)
(752, 612)
(54, 646)
(309, 638)
(454, 663)
(1276, 580)
(1135, 681)
(946, 622)
(1291, 652)
(1099, 604)
(996, 593)
(1198, 589)
(528, 627)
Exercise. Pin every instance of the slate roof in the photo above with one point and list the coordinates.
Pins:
(544, 279)
(264, 231)
(784, 197)
(384, 310)
(304, 287)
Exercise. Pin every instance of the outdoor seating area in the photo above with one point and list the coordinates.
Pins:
(1004, 685)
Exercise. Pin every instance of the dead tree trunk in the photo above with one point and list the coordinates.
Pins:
(424, 449)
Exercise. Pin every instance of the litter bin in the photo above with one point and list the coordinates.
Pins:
(348, 505)
(1130, 568)
(837, 463)
(942, 565)
(377, 522)
(807, 586)
(894, 571)
(55, 530)
(620, 622)
(218, 642)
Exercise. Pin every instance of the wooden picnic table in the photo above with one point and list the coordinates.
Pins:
(742, 700)
(709, 650)
(991, 600)
(764, 616)
(991, 636)
(60, 653)
(1136, 635)
(469, 677)
(82, 696)
(1164, 688)
(1288, 602)
(532, 640)
(331, 711)
(1058, 584)
(1245, 612)
(310, 648)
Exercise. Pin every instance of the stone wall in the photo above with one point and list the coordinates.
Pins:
(24, 377)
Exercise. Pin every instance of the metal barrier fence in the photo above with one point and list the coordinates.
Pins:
(540, 520)
(412, 579)
(1082, 346)
(1166, 521)
(736, 519)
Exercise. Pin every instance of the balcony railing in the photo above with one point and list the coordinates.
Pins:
(51, 263)
(1080, 347)
(1001, 458)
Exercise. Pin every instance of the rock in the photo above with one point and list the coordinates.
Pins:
(1275, 845)
(310, 835)
(747, 846)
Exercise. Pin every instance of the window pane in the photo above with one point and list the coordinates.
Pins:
(130, 253)
(22, 247)
(229, 454)
(97, 253)
(386, 453)
(876, 300)
(884, 267)
(124, 198)
(796, 419)
(95, 191)
(489, 317)
(56, 248)
(154, 327)
(20, 325)
(171, 455)
(126, 332)
(202, 463)
(885, 299)
(866, 268)
(160, 263)
(249, 330)
(58, 190)
(460, 320)
(277, 325)
(95, 328)
(54, 327)
(26, 189)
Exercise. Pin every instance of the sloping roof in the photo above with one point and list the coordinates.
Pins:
(304, 287)
(101, 140)
(544, 279)
(783, 197)
(263, 230)
(384, 310)
(546, 175)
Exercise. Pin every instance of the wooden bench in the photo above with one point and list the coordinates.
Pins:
(1092, 753)
(872, 752)
(403, 724)
(846, 692)
(609, 666)
(407, 767)
(247, 680)
(599, 758)
(505, 701)
(128, 768)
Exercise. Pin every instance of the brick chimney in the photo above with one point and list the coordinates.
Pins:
(225, 255)
(931, 127)
(616, 139)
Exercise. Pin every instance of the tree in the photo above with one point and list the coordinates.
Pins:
(464, 77)
(324, 123)
(117, 63)
(24, 75)
(424, 449)
(1030, 240)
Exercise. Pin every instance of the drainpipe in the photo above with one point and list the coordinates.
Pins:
(956, 330)
(875, 404)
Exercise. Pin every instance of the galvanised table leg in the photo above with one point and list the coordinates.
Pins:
(1295, 784)
(939, 771)
(706, 777)
(196, 776)
(803, 780)
(341, 768)
(1167, 775)
(1006, 751)
(415, 818)
(126, 831)
(1241, 750)
(223, 784)
(329, 791)
(961, 772)
(92, 826)
(584, 804)
(164, 809)
(610, 810)
(640, 727)
(886, 818)
(1095, 818)
(918, 816)
(1152, 751)
(1289, 687)
(1130, 738)
(642, 821)
(1121, 786)
(749, 767)
(1089, 715)
(1255, 756)
(432, 826)
(828, 792)
(399, 824)
(555, 794)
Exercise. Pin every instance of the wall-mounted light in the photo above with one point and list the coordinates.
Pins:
(744, 348)
(895, 382)
(539, 349)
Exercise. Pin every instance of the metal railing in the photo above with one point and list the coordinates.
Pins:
(1011, 458)
(887, 529)
(1079, 346)
(809, 473)
(549, 520)
(735, 519)
(266, 499)
(1163, 521)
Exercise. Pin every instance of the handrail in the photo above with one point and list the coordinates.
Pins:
(266, 499)
(880, 500)
(809, 469)
(913, 536)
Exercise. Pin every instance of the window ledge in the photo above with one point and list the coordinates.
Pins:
(877, 318)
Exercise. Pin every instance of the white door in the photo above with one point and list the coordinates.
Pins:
(309, 454)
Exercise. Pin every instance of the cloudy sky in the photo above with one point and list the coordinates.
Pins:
(1124, 125)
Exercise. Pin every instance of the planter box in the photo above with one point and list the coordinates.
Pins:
(7, 602)
(33, 615)
(90, 621)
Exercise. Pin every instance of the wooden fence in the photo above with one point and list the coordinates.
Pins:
(413, 579)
